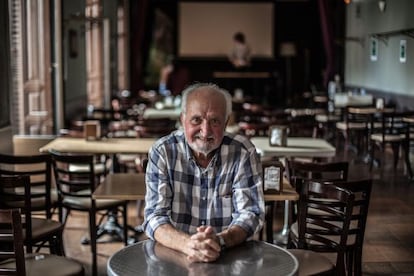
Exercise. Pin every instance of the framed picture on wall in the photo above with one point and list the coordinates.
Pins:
(374, 49)
(403, 51)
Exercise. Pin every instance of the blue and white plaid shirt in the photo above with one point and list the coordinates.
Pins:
(228, 192)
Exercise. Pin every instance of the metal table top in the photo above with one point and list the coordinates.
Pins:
(250, 258)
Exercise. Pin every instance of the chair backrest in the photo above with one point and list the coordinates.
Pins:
(391, 126)
(74, 174)
(329, 171)
(11, 238)
(9, 198)
(353, 117)
(252, 120)
(362, 193)
(39, 168)
(324, 218)
(157, 127)
(30, 144)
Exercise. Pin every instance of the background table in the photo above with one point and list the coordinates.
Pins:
(153, 113)
(296, 147)
(250, 258)
(131, 186)
(345, 99)
(102, 146)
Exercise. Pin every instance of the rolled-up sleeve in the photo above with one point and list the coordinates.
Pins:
(158, 195)
(248, 198)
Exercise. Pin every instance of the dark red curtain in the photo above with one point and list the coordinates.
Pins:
(327, 38)
(138, 21)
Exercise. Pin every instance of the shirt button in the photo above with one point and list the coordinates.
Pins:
(203, 198)
(203, 222)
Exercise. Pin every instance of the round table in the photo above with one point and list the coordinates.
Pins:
(250, 258)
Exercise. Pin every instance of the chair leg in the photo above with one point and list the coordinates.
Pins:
(407, 159)
(372, 157)
(125, 219)
(92, 233)
(60, 247)
(269, 221)
(396, 152)
(358, 262)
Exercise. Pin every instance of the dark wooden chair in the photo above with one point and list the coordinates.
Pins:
(353, 128)
(362, 192)
(13, 260)
(252, 120)
(409, 143)
(322, 170)
(324, 218)
(154, 128)
(39, 231)
(330, 220)
(39, 168)
(326, 171)
(75, 188)
(392, 131)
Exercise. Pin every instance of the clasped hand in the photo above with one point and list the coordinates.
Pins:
(203, 246)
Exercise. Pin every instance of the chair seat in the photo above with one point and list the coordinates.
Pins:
(36, 202)
(295, 231)
(98, 167)
(86, 203)
(43, 227)
(312, 263)
(351, 125)
(387, 138)
(325, 118)
(47, 264)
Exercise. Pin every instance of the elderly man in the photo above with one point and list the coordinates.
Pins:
(204, 186)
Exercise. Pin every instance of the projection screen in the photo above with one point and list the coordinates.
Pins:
(206, 29)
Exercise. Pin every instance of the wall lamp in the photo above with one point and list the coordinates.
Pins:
(382, 4)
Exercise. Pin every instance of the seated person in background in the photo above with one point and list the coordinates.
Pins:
(240, 54)
(173, 78)
(204, 186)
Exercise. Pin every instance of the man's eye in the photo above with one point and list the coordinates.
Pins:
(196, 121)
(215, 121)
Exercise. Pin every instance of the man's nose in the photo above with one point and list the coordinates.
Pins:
(205, 127)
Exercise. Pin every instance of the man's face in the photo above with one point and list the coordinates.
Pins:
(205, 121)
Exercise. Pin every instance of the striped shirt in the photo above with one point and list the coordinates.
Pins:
(228, 192)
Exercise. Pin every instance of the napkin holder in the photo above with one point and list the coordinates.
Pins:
(278, 136)
(272, 176)
(92, 130)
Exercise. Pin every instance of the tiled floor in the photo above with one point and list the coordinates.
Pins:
(389, 239)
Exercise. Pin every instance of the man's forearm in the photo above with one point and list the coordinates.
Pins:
(170, 237)
(233, 235)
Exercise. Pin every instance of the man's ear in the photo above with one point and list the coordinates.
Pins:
(227, 122)
(182, 119)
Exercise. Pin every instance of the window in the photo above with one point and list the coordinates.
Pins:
(4, 66)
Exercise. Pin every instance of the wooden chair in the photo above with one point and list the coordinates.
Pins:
(12, 257)
(362, 192)
(16, 192)
(150, 128)
(327, 229)
(354, 129)
(323, 170)
(39, 168)
(75, 188)
(391, 132)
(326, 171)
(252, 120)
(409, 142)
